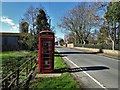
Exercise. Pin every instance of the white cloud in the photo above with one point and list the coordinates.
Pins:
(15, 27)
(10, 22)
(7, 20)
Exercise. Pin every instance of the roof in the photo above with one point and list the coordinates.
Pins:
(11, 34)
(46, 31)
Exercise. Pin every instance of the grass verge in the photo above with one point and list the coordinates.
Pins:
(65, 81)
(9, 60)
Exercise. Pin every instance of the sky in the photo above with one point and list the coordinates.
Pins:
(12, 12)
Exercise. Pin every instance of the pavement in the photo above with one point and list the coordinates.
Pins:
(110, 56)
(48, 75)
(91, 70)
(117, 57)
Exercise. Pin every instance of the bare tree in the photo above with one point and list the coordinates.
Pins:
(30, 17)
(80, 20)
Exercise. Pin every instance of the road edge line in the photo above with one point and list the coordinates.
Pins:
(86, 73)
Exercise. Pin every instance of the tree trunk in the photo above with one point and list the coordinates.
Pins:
(83, 43)
(106, 41)
(113, 45)
(75, 41)
(115, 31)
(113, 42)
(119, 33)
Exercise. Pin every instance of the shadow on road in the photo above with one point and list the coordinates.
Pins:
(63, 54)
(58, 55)
(78, 52)
(90, 68)
(58, 47)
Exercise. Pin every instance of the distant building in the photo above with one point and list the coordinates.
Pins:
(10, 41)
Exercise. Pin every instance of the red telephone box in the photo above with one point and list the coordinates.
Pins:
(46, 51)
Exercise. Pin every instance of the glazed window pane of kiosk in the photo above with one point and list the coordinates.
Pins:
(46, 52)
(46, 46)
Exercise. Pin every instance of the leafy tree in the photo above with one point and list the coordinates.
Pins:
(60, 41)
(24, 27)
(104, 34)
(93, 37)
(41, 21)
(41, 24)
(112, 18)
(30, 17)
(37, 20)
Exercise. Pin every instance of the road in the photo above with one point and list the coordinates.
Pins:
(90, 69)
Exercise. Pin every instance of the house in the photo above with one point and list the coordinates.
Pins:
(10, 41)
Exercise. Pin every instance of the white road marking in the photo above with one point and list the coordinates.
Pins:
(87, 74)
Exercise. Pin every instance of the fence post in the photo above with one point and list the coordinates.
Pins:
(17, 73)
(6, 85)
(31, 65)
(17, 82)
